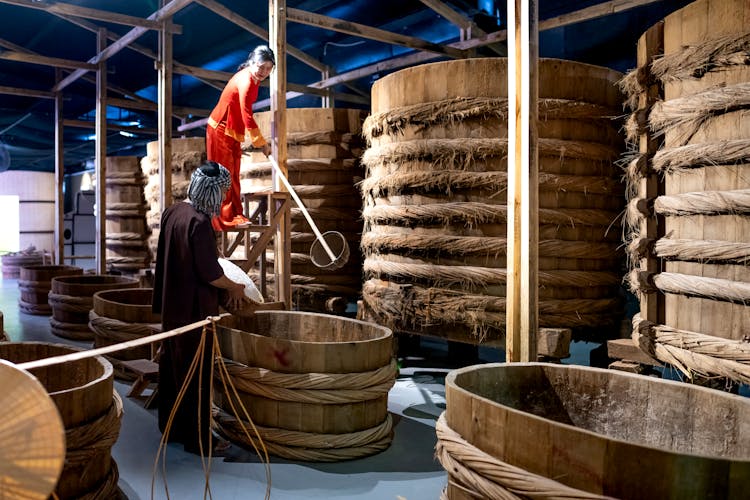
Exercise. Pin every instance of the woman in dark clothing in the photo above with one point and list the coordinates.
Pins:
(186, 289)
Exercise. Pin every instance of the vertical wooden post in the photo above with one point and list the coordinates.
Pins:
(650, 47)
(164, 105)
(523, 180)
(59, 176)
(282, 241)
(100, 157)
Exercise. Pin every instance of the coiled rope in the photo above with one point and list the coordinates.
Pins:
(483, 476)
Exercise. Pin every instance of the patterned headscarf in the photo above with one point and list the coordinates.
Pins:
(208, 185)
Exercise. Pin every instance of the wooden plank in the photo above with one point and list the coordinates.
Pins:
(523, 204)
(164, 13)
(42, 94)
(356, 29)
(11, 55)
(593, 12)
(256, 30)
(625, 349)
(100, 157)
(164, 119)
(277, 21)
(59, 244)
(76, 10)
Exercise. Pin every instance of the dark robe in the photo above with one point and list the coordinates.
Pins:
(186, 263)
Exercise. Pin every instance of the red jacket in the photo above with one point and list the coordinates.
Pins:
(235, 108)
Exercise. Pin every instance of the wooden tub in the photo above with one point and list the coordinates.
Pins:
(599, 432)
(90, 410)
(315, 385)
(34, 283)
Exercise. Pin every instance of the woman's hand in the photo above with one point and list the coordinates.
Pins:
(266, 148)
(236, 297)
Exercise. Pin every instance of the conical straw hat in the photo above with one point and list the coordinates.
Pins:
(32, 436)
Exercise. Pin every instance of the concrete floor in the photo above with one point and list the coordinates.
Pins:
(406, 470)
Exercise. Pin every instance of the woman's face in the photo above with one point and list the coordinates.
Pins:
(261, 70)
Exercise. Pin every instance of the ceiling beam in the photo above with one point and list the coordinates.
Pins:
(258, 31)
(465, 24)
(91, 124)
(600, 10)
(160, 15)
(100, 15)
(179, 111)
(11, 55)
(177, 66)
(43, 94)
(360, 30)
(578, 16)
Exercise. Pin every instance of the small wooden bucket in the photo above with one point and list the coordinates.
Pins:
(580, 432)
(71, 298)
(91, 412)
(34, 283)
(12, 263)
(123, 315)
(316, 386)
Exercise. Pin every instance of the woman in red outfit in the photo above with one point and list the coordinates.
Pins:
(230, 122)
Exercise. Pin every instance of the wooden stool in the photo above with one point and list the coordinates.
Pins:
(147, 371)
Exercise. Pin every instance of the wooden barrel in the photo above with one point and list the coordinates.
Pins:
(122, 315)
(91, 411)
(689, 238)
(316, 386)
(36, 209)
(13, 262)
(434, 236)
(71, 298)
(324, 146)
(126, 215)
(34, 283)
(188, 153)
(580, 432)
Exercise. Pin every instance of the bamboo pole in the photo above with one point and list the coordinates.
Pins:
(100, 157)
(59, 244)
(164, 105)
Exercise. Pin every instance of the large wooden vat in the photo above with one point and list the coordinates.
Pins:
(315, 385)
(36, 197)
(91, 411)
(71, 298)
(689, 215)
(35, 282)
(188, 153)
(435, 210)
(580, 432)
(126, 215)
(122, 315)
(324, 146)
(13, 262)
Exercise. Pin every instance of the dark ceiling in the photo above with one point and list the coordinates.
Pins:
(210, 41)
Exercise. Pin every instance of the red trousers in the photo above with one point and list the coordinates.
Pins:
(224, 150)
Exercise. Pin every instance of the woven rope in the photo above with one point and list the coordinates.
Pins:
(690, 112)
(476, 276)
(376, 242)
(70, 303)
(446, 181)
(706, 288)
(691, 156)
(692, 352)
(34, 286)
(311, 446)
(424, 115)
(704, 203)
(107, 489)
(694, 61)
(73, 331)
(473, 213)
(125, 236)
(119, 331)
(91, 438)
(485, 476)
(30, 308)
(320, 388)
(728, 252)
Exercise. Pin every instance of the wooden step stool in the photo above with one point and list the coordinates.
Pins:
(147, 372)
